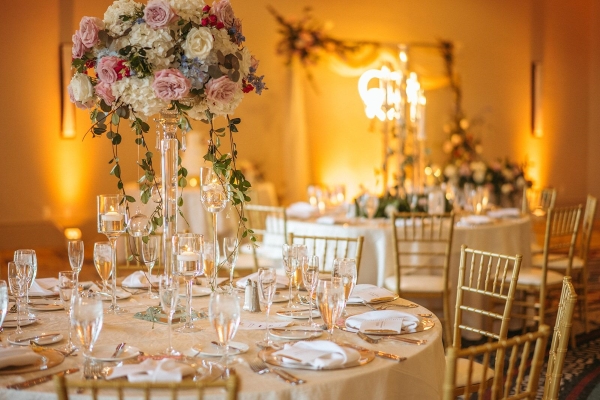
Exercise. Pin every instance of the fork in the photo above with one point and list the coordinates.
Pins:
(260, 367)
(386, 306)
(370, 339)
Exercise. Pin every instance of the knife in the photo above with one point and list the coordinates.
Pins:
(34, 338)
(41, 379)
(296, 330)
(118, 350)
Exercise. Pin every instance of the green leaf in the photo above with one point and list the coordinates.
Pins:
(110, 135)
(123, 112)
(111, 160)
(116, 171)
(145, 127)
(235, 121)
(117, 139)
(104, 107)
(145, 196)
(99, 131)
(182, 182)
(115, 119)
(120, 185)
(130, 199)
(180, 202)
(149, 154)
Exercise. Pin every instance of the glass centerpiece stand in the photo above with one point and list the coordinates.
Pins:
(112, 222)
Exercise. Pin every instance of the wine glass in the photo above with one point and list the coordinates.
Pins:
(17, 279)
(267, 282)
(188, 248)
(112, 222)
(27, 256)
(292, 254)
(3, 303)
(103, 262)
(310, 276)
(230, 251)
(345, 270)
(86, 320)
(371, 205)
(214, 196)
(168, 288)
(224, 315)
(330, 300)
(75, 248)
(67, 287)
(149, 256)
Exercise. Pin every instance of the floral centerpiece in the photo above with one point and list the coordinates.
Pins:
(182, 55)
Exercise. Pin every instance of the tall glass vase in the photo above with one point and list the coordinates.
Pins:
(169, 150)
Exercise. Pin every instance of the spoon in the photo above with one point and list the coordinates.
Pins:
(425, 315)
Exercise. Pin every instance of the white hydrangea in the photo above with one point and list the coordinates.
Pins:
(245, 62)
(223, 42)
(188, 9)
(228, 108)
(198, 111)
(159, 40)
(139, 94)
(112, 21)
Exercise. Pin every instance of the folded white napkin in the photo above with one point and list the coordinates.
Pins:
(504, 213)
(319, 354)
(282, 280)
(301, 210)
(138, 280)
(44, 287)
(370, 293)
(409, 321)
(166, 370)
(15, 357)
(471, 220)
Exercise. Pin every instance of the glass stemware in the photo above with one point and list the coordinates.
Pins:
(267, 282)
(330, 300)
(169, 293)
(345, 270)
(67, 287)
(230, 251)
(149, 256)
(27, 256)
(86, 320)
(112, 222)
(103, 262)
(224, 315)
(292, 254)
(188, 249)
(75, 248)
(310, 276)
(3, 304)
(17, 280)
(210, 258)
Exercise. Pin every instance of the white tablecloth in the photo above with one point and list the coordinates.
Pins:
(420, 376)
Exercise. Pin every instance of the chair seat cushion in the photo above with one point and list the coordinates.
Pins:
(533, 276)
(416, 283)
(462, 369)
(556, 261)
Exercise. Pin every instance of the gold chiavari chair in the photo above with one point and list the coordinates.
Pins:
(560, 340)
(330, 247)
(491, 279)
(422, 247)
(125, 389)
(535, 284)
(507, 387)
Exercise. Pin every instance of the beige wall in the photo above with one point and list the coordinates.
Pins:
(47, 178)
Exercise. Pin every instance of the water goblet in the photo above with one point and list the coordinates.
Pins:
(17, 280)
(224, 315)
(27, 256)
(149, 256)
(169, 294)
(330, 300)
(267, 282)
(67, 287)
(345, 270)
(75, 249)
(188, 247)
(3, 304)
(310, 276)
(86, 320)
(103, 262)
(230, 251)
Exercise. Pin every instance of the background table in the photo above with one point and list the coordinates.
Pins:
(420, 376)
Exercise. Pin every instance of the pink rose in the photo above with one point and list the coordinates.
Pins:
(221, 90)
(104, 91)
(89, 28)
(106, 69)
(158, 13)
(78, 49)
(170, 84)
(224, 12)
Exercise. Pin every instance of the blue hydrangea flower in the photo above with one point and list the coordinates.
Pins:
(195, 70)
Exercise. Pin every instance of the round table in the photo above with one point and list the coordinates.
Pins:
(419, 376)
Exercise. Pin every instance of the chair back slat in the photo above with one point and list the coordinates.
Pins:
(328, 248)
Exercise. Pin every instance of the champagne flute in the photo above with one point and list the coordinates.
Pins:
(290, 266)
(230, 251)
(188, 247)
(67, 287)
(149, 256)
(224, 315)
(345, 269)
(330, 300)
(17, 279)
(267, 281)
(310, 276)
(169, 293)
(86, 320)
(27, 256)
(3, 304)
(103, 262)
(75, 248)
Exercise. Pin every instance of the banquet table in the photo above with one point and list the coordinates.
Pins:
(419, 376)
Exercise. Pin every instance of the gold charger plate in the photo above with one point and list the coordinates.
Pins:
(366, 356)
(50, 358)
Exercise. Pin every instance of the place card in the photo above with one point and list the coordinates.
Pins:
(372, 293)
(301, 355)
(388, 326)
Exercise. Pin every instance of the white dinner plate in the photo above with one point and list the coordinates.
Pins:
(212, 350)
(297, 314)
(121, 295)
(104, 352)
(197, 291)
(296, 332)
(45, 305)
(11, 321)
(54, 337)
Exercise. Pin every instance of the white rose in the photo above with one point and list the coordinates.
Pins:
(81, 88)
(198, 44)
(112, 17)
